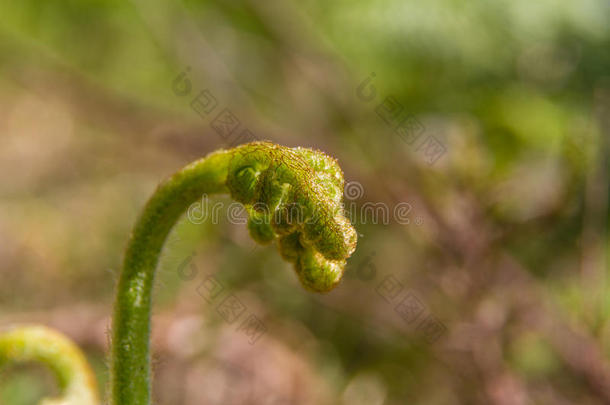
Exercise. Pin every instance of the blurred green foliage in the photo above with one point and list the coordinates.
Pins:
(515, 214)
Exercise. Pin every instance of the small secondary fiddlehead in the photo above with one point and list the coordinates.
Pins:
(293, 195)
(41, 344)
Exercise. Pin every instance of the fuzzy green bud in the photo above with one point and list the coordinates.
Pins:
(301, 190)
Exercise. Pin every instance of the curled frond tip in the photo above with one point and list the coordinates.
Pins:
(294, 196)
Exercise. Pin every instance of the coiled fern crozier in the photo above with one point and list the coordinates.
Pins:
(41, 344)
(293, 196)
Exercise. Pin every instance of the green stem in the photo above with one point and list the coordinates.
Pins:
(131, 322)
(37, 343)
(269, 180)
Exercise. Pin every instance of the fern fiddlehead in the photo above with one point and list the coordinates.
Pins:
(41, 344)
(293, 195)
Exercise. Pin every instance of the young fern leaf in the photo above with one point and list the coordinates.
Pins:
(292, 195)
(40, 344)
(295, 195)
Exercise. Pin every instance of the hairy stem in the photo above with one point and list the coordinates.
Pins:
(293, 196)
(131, 322)
(40, 344)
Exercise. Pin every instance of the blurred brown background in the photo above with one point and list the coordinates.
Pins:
(481, 128)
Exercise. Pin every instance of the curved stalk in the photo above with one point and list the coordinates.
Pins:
(41, 344)
(131, 321)
(293, 196)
